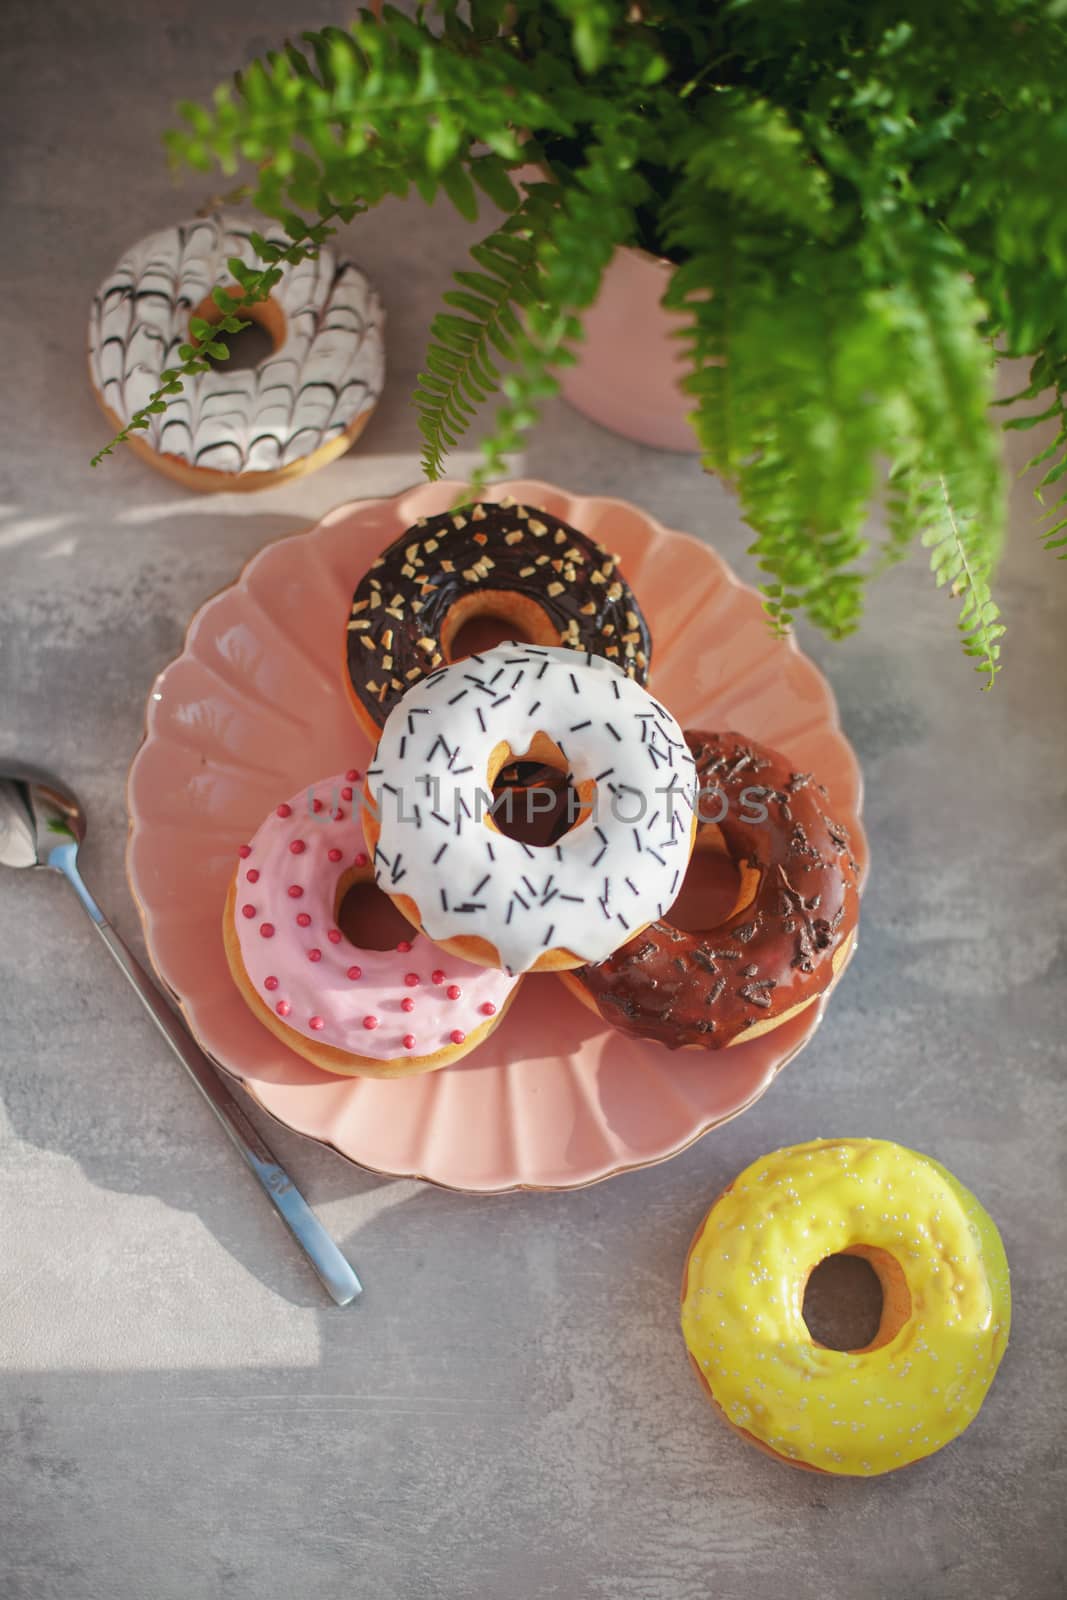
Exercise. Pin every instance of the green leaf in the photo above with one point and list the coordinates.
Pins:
(490, 174)
(443, 141)
(460, 190)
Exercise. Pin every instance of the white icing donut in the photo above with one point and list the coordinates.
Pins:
(408, 1002)
(616, 871)
(326, 374)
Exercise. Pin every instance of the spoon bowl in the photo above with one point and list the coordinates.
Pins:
(39, 816)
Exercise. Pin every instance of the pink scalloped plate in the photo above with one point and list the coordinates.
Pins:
(254, 707)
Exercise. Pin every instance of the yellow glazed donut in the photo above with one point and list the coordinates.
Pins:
(945, 1316)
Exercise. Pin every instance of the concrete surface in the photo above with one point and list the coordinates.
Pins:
(508, 1412)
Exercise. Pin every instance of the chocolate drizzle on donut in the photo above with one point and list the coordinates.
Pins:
(774, 953)
(401, 607)
(327, 372)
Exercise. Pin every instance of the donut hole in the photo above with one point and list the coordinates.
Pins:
(369, 919)
(710, 892)
(715, 887)
(536, 799)
(478, 622)
(480, 633)
(843, 1303)
(254, 344)
(248, 349)
(856, 1300)
(535, 804)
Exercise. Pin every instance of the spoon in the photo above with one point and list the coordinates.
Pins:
(41, 825)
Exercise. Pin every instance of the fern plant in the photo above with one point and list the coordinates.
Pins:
(858, 198)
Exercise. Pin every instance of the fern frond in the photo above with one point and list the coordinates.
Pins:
(1047, 373)
(356, 114)
(461, 366)
(960, 557)
(805, 370)
(577, 229)
(747, 149)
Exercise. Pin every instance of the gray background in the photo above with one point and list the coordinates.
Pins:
(508, 1412)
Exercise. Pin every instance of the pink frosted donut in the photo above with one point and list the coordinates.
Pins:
(379, 1013)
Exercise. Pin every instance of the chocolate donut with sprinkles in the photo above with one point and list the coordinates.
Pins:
(785, 941)
(485, 896)
(550, 583)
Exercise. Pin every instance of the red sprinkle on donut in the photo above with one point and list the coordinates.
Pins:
(370, 1022)
(361, 860)
(248, 911)
(453, 991)
(270, 983)
(284, 810)
(297, 847)
(283, 1008)
(407, 1004)
(346, 793)
(404, 946)
(338, 815)
(334, 935)
(316, 805)
(457, 1036)
(244, 851)
(412, 980)
(487, 1008)
(354, 973)
(333, 853)
(295, 891)
(438, 976)
(252, 874)
(303, 920)
(314, 955)
(352, 775)
(267, 930)
(409, 1041)
(316, 1023)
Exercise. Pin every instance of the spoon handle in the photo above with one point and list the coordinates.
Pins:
(333, 1269)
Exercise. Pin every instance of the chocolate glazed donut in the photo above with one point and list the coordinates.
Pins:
(499, 559)
(786, 939)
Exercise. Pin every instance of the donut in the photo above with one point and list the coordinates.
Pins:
(487, 897)
(787, 938)
(372, 1013)
(298, 409)
(946, 1308)
(544, 579)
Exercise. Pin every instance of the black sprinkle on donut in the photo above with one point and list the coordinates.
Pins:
(492, 559)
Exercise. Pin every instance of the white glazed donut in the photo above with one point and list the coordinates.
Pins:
(376, 1013)
(491, 898)
(302, 406)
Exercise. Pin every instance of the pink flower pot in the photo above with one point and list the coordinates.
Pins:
(630, 364)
